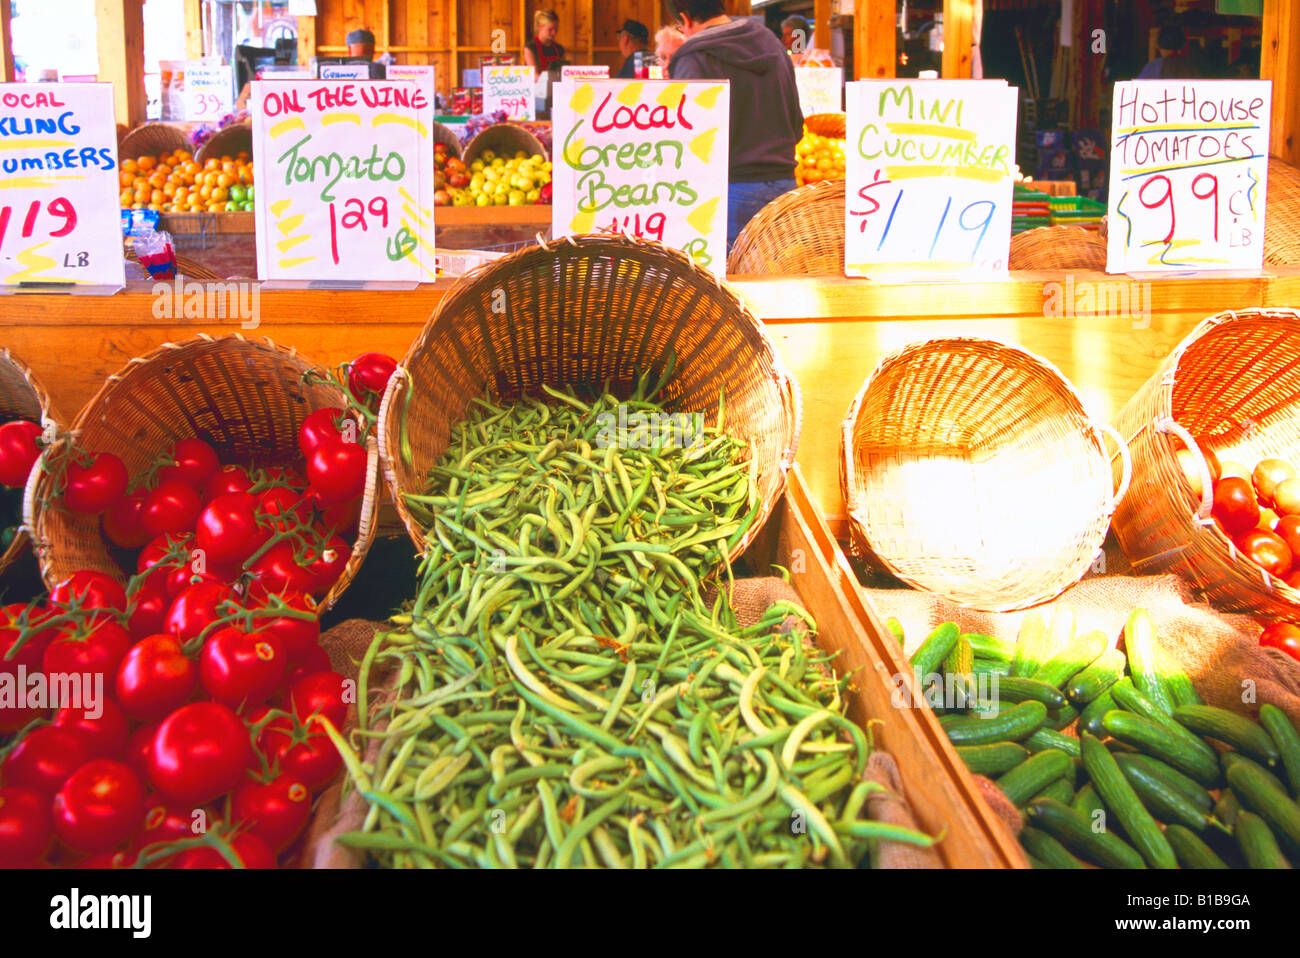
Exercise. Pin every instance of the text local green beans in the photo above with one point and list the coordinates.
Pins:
(570, 698)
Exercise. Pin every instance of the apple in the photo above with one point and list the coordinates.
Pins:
(441, 198)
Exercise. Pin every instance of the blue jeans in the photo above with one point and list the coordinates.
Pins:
(744, 200)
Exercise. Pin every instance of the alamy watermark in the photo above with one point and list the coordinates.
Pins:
(1118, 299)
(637, 429)
(20, 689)
(236, 299)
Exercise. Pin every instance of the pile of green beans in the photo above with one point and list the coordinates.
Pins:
(565, 696)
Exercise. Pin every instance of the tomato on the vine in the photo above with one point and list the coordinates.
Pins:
(239, 668)
(337, 471)
(138, 748)
(44, 758)
(90, 590)
(275, 811)
(298, 749)
(155, 678)
(25, 824)
(93, 487)
(96, 647)
(149, 607)
(227, 480)
(327, 564)
(1283, 636)
(283, 508)
(298, 636)
(227, 529)
(314, 660)
(251, 851)
(198, 753)
(122, 521)
(370, 372)
(195, 608)
(18, 451)
(321, 427)
(99, 806)
(172, 506)
(193, 462)
(28, 656)
(165, 821)
(324, 693)
(277, 570)
(104, 736)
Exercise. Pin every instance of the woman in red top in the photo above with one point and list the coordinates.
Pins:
(542, 48)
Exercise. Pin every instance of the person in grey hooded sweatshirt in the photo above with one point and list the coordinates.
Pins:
(766, 122)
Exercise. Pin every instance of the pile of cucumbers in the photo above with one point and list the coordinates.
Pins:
(1152, 777)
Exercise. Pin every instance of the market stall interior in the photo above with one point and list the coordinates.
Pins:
(416, 514)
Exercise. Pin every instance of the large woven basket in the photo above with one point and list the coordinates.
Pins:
(1282, 215)
(504, 139)
(228, 141)
(831, 125)
(1233, 385)
(153, 139)
(801, 231)
(245, 397)
(1058, 247)
(970, 469)
(442, 134)
(580, 312)
(22, 397)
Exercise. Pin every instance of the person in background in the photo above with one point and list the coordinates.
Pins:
(1172, 63)
(766, 122)
(633, 37)
(361, 45)
(542, 49)
(667, 42)
(797, 36)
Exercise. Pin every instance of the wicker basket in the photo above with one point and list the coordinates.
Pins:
(244, 397)
(584, 311)
(1282, 215)
(152, 139)
(799, 232)
(228, 141)
(22, 397)
(970, 469)
(826, 124)
(443, 135)
(1058, 247)
(504, 139)
(1233, 385)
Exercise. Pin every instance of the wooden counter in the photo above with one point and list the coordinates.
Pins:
(830, 330)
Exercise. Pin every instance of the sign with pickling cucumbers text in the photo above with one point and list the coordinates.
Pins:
(344, 180)
(59, 185)
(644, 157)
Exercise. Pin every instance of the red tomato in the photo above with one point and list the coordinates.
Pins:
(109, 860)
(18, 451)
(337, 471)
(92, 590)
(277, 571)
(93, 487)
(283, 508)
(227, 529)
(44, 758)
(252, 851)
(324, 693)
(193, 462)
(299, 750)
(314, 660)
(164, 822)
(199, 753)
(149, 608)
(166, 550)
(122, 524)
(95, 648)
(171, 507)
(1235, 505)
(322, 427)
(13, 718)
(194, 609)
(138, 748)
(227, 480)
(239, 668)
(25, 824)
(104, 736)
(297, 636)
(155, 678)
(370, 372)
(99, 806)
(1288, 527)
(275, 811)
(328, 564)
(1283, 636)
(1267, 550)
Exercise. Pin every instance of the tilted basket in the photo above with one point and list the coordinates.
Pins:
(152, 139)
(442, 134)
(799, 232)
(505, 140)
(227, 141)
(831, 125)
(22, 397)
(1058, 247)
(969, 468)
(578, 313)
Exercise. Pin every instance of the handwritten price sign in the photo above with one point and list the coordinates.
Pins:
(929, 177)
(207, 91)
(1188, 175)
(59, 185)
(647, 158)
(509, 89)
(820, 89)
(347, 188)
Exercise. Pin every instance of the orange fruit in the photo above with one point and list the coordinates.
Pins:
(220, 193)
(146, 163)
(125, 198)
(226, 180)
(129, 166)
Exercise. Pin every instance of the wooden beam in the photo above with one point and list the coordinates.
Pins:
(874, 27)
(587, 15)
(958, 17)
(119, 31)
(821, 38)
(6, 43)
(306, 40)
(1280, 62)
(193, 29)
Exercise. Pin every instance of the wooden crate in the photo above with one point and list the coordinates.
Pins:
(939, 788)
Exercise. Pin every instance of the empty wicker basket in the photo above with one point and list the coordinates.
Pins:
(1058, 247)
(1232, 385)
(245, 397)
(505, 140)
(970, 469)
(152, 139)
(801, 231)
(581, 312)
(22, 397)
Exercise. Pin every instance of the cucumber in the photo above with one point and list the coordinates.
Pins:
(1259, 795)
(931, 653)
(1140, 646)
(1033, 775)
(1123, 801)
(1184, 783)
(1090, 718)
(1050, 738)
(1061, 790)
(1229, 759)
(1012, 689)
(992, 759)
(1130, 698)
(1287, 740)
(1258, 844)
(1096, 678)
(990, 647)
(1047, 849)
(1035, 864)
(990, 667)
(1031, 645)
(1169, 743)
(957, 668)
(1086, 801)
(1227, 808)
(1075, 832)
(1228, 727)
(1079, 653)
(1179, 684)
(1160, 797)
(896, 630)
(1018, 722)
(1058, 719)
(1190, 850)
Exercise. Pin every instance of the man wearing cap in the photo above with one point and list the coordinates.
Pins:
(361, 46)
(634, 36)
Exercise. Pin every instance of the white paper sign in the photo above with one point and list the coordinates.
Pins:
(593, 72)
(509, 89)
(59, 220)
(1188, 175)
(207, 91)
(420, 73)
(343, 71)
(647, 158)
(345, 180)
(929, 168)
(820, 89)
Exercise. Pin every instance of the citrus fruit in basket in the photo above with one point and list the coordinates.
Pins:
(491, 180)
(176, 183)
(818, 158)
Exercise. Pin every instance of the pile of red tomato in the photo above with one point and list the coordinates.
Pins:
(207, 744)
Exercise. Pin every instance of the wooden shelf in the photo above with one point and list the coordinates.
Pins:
(530, 215)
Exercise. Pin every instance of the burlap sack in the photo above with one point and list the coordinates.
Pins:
(1219, 651)
(891, 808)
